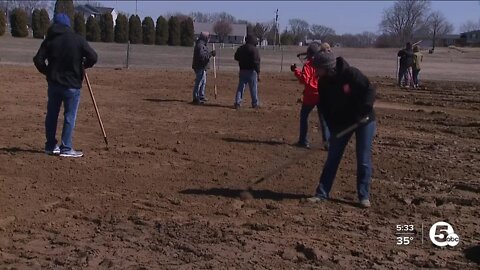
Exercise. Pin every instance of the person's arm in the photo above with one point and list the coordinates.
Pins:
(90, 55)
(237, 55)
(40, 58)
(367, 92)
(305, 76)
(256, 60)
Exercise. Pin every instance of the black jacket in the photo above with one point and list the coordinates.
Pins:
(201, 55)
(406, 58)
(248, 57)
(67, 54)
(346, 97)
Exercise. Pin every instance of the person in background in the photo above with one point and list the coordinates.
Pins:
(406, 62)
(307, 77)
(248, 59)
(417, 65)
(346, 101)
(67, 54)
(201, 58)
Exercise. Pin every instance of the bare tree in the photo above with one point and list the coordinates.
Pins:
(320, 32)
(27, 5)
(222, 29)
(366, 39)
(299, 28)
(200, 17)
(470, 26)
(437, 25)
(261, 30)
(404, 18)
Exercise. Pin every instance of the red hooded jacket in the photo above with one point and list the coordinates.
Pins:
(307, 77)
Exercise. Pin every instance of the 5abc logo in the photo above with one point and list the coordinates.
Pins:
(442, 235)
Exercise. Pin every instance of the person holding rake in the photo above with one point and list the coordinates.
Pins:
(307, 77)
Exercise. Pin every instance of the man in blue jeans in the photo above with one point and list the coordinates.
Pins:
(248, 59)
(201, 58)
(67, 54)
(346, 100)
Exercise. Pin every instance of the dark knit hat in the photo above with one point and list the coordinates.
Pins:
(312, 49)
(324, 60)
(61, 18)
(251, 39)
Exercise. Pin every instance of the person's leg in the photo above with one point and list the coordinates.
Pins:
(71, 99)
(240, 88)
(401, 75)
(335, 153)
(252, 83)
(304, 112)
(203, 85)
(323, 125)
(196, 87)
(415, 77)
(54, 104)
(364, 139)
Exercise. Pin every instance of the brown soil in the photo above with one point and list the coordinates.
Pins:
(166, 193)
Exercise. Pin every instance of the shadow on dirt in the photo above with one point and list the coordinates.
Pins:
(159, 100)
(473, 254)
(234, 140)
(235, 193)
(14, 150)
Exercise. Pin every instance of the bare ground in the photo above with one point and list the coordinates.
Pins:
(166, 193)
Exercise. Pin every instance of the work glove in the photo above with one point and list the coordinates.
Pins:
(293, 67)
(213, 53)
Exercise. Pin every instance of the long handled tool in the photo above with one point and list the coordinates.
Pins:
(214, 73)
(96, 109)
(352, 127)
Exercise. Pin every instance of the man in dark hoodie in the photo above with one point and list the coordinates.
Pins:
(67, 54)
(406, 63)
(345, 100)
(201, 58)
(248, 59)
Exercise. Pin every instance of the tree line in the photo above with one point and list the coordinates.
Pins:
(174, 31)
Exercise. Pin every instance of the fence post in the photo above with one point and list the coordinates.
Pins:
(128, 54)
(281, 65)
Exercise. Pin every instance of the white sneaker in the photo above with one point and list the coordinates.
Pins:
(54, 152)
(316, 199)
(365, 203)
(72, 153)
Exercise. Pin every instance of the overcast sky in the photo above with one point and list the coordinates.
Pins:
(342, 16)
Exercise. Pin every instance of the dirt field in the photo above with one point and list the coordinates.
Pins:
(166, 194)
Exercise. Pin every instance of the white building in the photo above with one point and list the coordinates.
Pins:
(237, 36)
(96, 12)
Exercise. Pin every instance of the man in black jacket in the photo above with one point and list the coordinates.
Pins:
(406, 63)
(346, 99)
(248, 59)
(201, 58)
(67, 54)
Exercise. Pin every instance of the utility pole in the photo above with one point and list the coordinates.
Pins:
(136, 7)
(276, 31)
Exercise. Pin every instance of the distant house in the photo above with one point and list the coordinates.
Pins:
(471, 38)
(96, 12)
(441, 41)
(237, 36)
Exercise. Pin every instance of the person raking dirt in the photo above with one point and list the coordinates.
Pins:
(68, 54)
(307, 77)
(406, 62)
(346, 100)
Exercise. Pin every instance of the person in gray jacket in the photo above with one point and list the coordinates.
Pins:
(201, 58)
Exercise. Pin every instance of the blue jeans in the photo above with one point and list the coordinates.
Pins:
(304, 113)
(247, 77)
(71, 98)
(364, 137)
(200, 83)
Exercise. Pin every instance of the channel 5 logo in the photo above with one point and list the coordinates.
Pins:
(442, 235)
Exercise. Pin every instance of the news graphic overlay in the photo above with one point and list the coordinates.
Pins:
(405, 234)
(442, 235)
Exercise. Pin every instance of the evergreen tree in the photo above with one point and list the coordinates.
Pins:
(161, 32)
(3, 22)
(18, 23)
(121, 29)
(79, 27)
(36, 24)
(93, 30)
(173, 31)
(135, 30)
(187, 33)
(106, 27)
(65, 6)
(148, 31)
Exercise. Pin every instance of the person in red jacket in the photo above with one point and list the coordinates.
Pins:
(307, 77)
